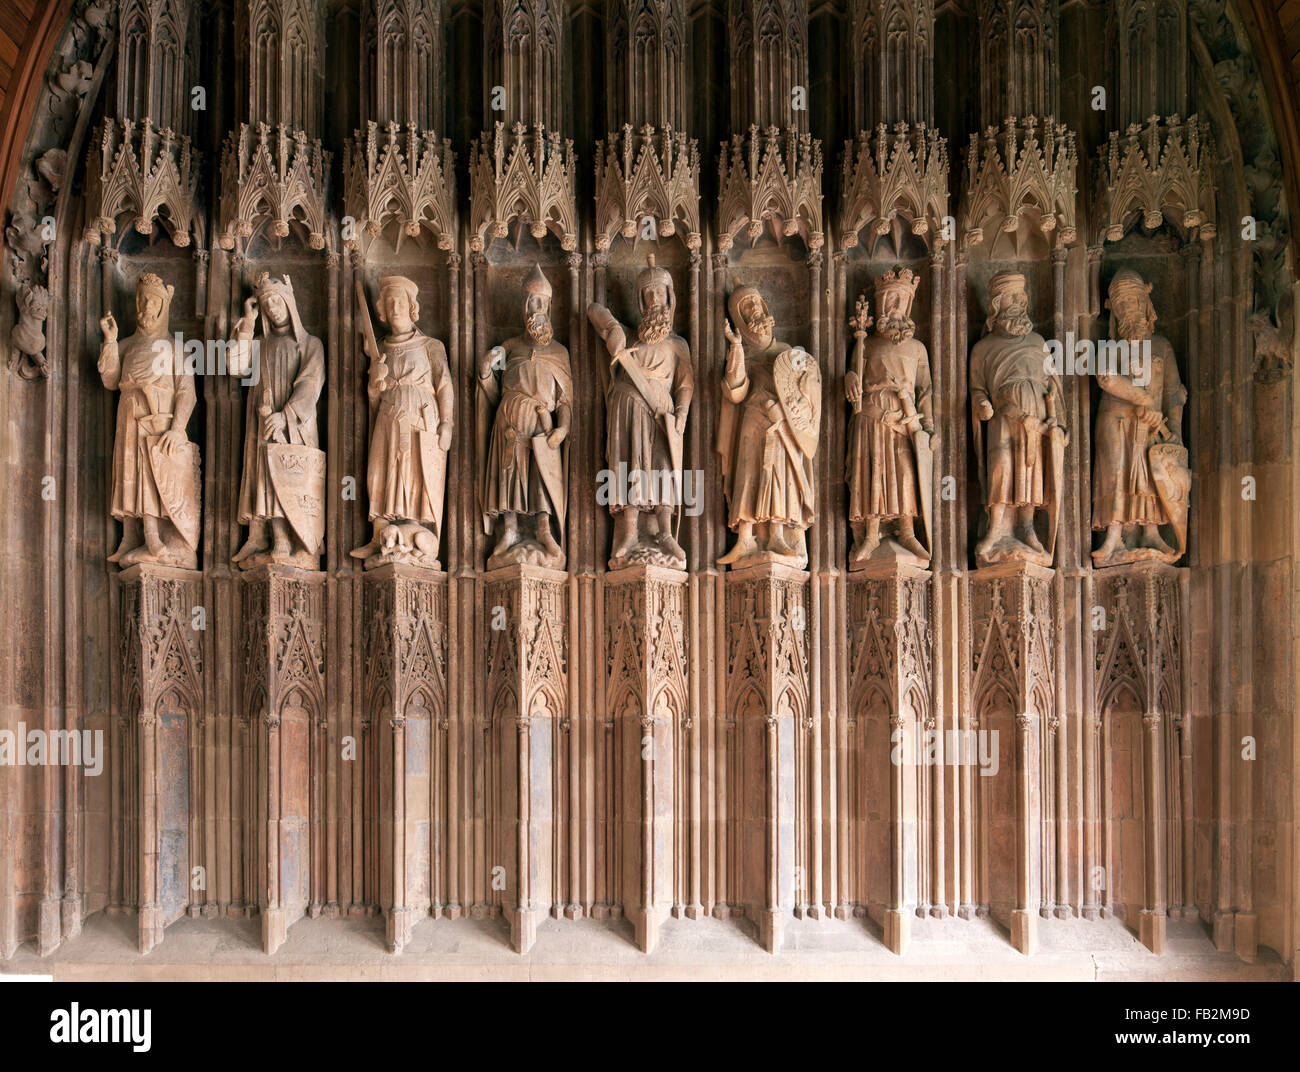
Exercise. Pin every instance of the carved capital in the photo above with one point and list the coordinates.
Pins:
(1162, 170)
(403, 176)
(146, 174)
(770, 178)
(274, 177)
(1025, 169)
(893, 177)
(653, 172)
(524, 173)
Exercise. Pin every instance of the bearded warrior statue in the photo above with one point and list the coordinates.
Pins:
(1141, 480)
(525, 396)
(771, 417)
(1012, 392)
(412, 407)
(891, 430)
(282, 492)
(156, 486)
(647, 399)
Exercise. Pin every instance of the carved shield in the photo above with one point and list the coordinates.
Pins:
(1173, 483)
(798, 383)
(179, 486)
(298, 477)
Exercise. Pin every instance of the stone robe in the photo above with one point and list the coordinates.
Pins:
(532, 377)
(762, 474)
(881, 462)
(1007, 371)
(291, 380)
(148, 401)
(1122, 487)
(407, 471)
(635, 435)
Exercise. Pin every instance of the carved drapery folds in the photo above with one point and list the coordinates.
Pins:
(770, 178)
(1160, 171)
(893, 61)
(525, 175)
(402, 62)
(769, 63)
(654, 172)
(523, 60)
(1018, 56)
(403, 177)
(645, 55)
(1025, 170)
(142, 172)
(895, 179)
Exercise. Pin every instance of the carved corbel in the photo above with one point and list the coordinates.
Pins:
(774, 178)
(276, 176)
(148, 174)
(526, 174)
(404, 176)
(653, 172)
(895, 178)
(1025, 169)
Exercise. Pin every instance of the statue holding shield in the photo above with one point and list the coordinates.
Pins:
(282, 490)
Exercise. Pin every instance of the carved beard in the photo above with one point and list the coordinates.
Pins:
(1016, 323)
(762, 326)
(539, 329)
(655, 324)
(1140, 327)
(896, 328)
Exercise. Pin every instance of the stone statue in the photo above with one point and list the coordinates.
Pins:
(1140, 478)
(28, 335)
(412, 404)
(771, 416)
(282, 492)
(889, 467)
(156, 485)
(1012, 391)
(525, 396)
(647, 399)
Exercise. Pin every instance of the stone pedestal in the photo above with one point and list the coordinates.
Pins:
(405, 660)
(1013, 692)
(283, 691)
(645, 625)
(767, 697)
(890, 712)
(162, 690)
(1138, 649)
(525, 613)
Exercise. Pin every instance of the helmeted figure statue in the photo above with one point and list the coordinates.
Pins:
(282, 491)
(1140, 477)
(525, 391)
(412, 406)
(889, 464)
(647, 399)
(1012, 391)
(771, 418)
(156, 485)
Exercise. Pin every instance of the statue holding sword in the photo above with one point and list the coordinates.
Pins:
(889, 467)
(525, 405)
(647, 397)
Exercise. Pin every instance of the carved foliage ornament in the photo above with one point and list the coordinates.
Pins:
(276, 176)
(654, 172)
(770, 177)
(888, 177)
(149, 174)
(526, 174)
(1162, 170)
(1012, 173)
(403, 176)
